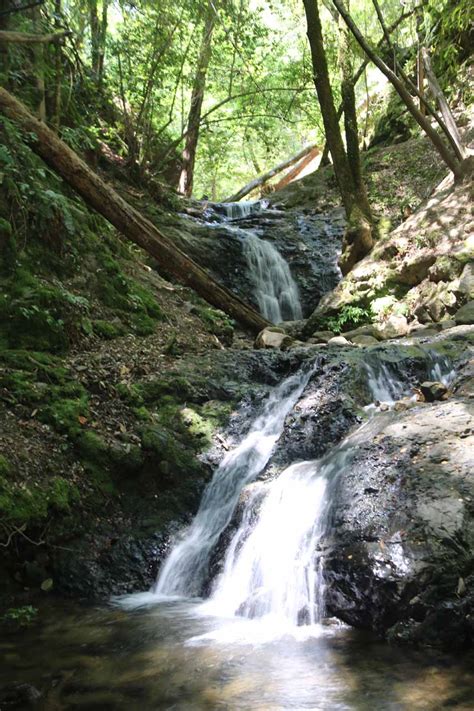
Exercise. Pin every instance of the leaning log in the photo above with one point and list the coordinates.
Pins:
(103, 198)
(299, 167)
(27, 38)
(262, 179)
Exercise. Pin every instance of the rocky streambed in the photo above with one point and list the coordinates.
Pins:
(398, 553)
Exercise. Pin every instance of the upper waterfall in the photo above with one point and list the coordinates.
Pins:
(276, 291)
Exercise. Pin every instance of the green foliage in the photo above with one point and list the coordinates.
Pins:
(449, 34)
(20, 616)
(348, 317)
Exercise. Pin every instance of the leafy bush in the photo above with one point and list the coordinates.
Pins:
(349, 317)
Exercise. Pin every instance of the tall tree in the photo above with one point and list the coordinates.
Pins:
(358, 239)
(452, 161)
(197, 97)
(98, 28)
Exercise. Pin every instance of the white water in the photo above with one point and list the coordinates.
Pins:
(239, 210)
(271, 568)
(385, 387)
(275, 289)
(184, 571)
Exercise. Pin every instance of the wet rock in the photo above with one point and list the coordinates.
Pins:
(321, 336)
(369, 329)
(394, 560)
(364, 340)
(273, 337)
(433, 391)
(18, 696)
(465, 315)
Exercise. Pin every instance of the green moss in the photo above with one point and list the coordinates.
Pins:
(5, 466)
(142, 324)
(176, 386)
(38, 315)
(108, 330)
(91, 447)
(129, 393)
(63, 413)
(26, 503)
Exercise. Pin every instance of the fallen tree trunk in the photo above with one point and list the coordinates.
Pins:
(102, 198)
(299, 167)
(26, 38)
(262, 179)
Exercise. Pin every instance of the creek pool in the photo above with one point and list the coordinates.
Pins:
(173, 655)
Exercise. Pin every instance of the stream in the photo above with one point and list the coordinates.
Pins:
(253, 633)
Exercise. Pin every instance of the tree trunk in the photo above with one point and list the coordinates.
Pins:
(197, 97)
(328, 110)
(56, 121)
(102, 198)
(442, 102)
(350, 115)
(358, 239)
(27, 38)
(453, 163)
(262, 179)
(38, 53)
(102, 41)
(94, 27)
(4, 53)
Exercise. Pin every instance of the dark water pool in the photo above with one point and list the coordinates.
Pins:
(174, 656)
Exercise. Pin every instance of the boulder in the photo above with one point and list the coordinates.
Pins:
(321, 336)
(364, 340)
(449, 323)
(466, 281)
(433, 390)
(413, 271)
(465, 315)
(394, 327)
(403, 527)
(369, 329)
(292, 328)
(445, 269)
(339, 341)
(273, 337)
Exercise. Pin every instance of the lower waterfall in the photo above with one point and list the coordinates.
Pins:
(185, 570)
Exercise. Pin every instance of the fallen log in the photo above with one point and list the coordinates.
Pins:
(103, 198)
(262, 179)
(27, 38)
(299, 167)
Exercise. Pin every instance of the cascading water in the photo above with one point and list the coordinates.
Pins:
(271, 568)
(276, 291)
(240, 210)
(185, 570)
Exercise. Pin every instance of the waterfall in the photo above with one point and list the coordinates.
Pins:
(275, 289)
(239, 210)
(272, 568)
(184, 572)
(382, 385)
